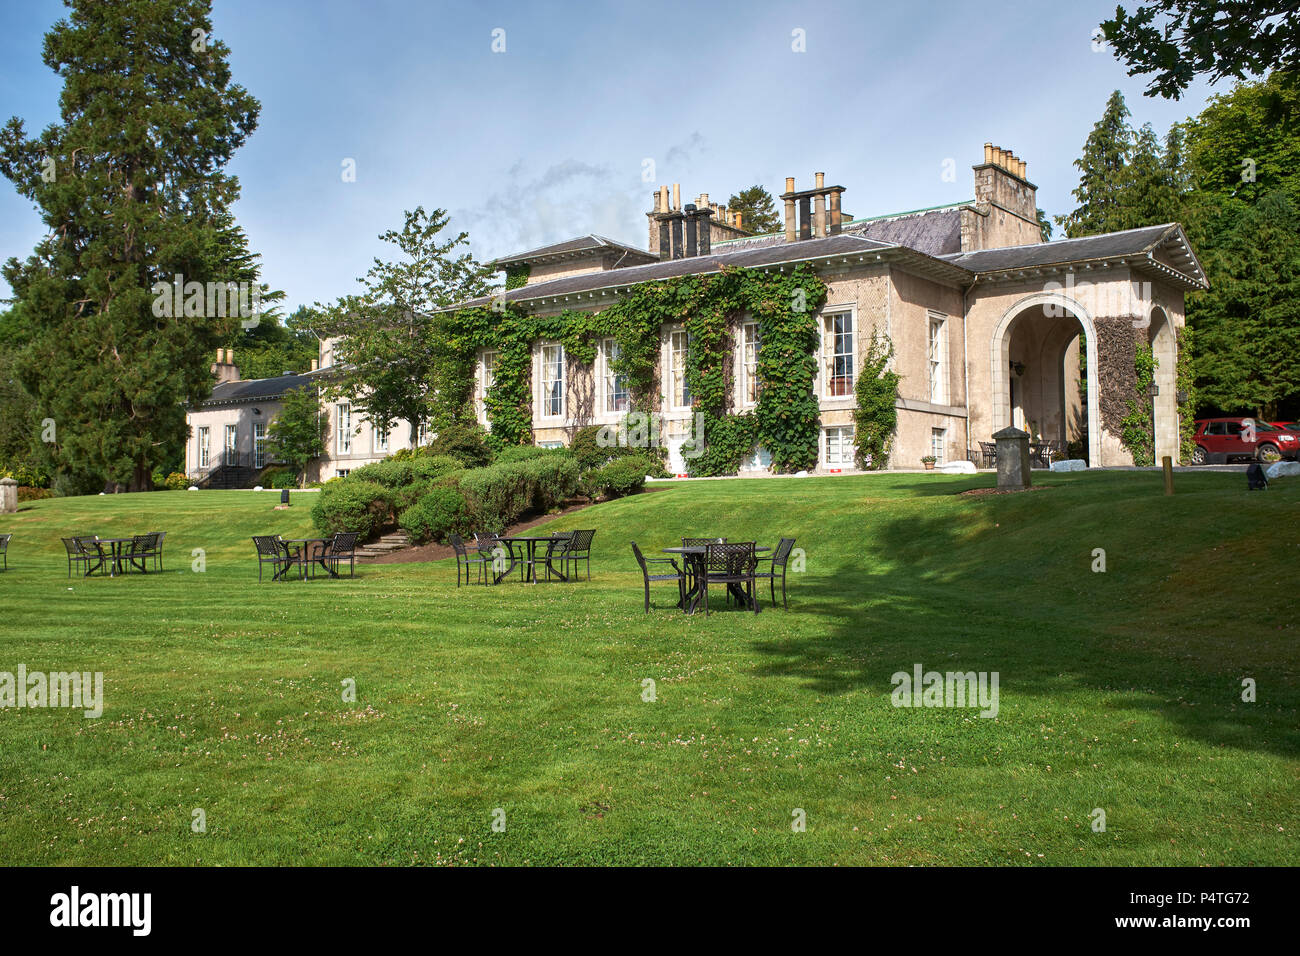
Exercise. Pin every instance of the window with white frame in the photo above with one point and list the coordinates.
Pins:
(380, 436)
(343, 472)
(487, 377)
(839, 446)
(938, 442)
(749, 363)
(231, 444)
(837, 345)
(205, 446)
(553, 380)
(938, 358)
(550, 444)
(679, 344)
(259, 444)
(613, 385)
(344, 441)
(422, 435)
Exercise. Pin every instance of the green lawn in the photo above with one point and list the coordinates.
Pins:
(1119, 690)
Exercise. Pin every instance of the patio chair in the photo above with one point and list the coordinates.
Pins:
(730, 564)
(275, 552)
(989, 453)
(143, 547)
(487, 545)
(701, 542)
(776, 563)
(93, 550)
(557, 550)
(158, 546)
(464, 560)
(342, 547)
(678, 575)
(4, 549)
(579, 549)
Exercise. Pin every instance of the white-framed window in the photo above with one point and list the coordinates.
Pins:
(937, 350)
(760, 459)
(550, 444)
(839, 446)
(422, 435)
(938, 443)
(749, 343)
(343, 472)
(205, 446)
(230, 444)
(838, 354)
(344, 441)
(553, 380)
(259, 444)
(614, 386)
(380, 438)
(679, 391)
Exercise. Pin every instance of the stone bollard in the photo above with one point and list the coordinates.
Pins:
(8, 496)
(1013, 458)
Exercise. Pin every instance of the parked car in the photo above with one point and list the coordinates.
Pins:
(1289, 426)
(1220, 440)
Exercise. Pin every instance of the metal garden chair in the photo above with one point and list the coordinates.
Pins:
(463, 559)
(779, 559)
(730, 564)
(678, 575)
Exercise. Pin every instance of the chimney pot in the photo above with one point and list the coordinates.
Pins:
(988, 152)
(821, 179)
(677, 195)
(313, 365)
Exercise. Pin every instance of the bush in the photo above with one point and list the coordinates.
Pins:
(352, 505)
(528, 453)
(26, 493)
(497, 496)
(468, 443)
(587, 450)
(623, 476)
(437, 514)
(275, 477)
(391, 473)
(435, 466)
(176, 481)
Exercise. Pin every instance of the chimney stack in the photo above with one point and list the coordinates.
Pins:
(692, 249)
(677, 196)
(1006, 204)
(791, 225)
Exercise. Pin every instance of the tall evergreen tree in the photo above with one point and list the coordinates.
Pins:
(130, 184)
(757, 209)
(1102, 167)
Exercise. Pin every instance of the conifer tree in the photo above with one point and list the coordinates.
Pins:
(130, 183)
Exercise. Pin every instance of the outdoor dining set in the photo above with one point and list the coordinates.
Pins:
(311, 556)
(496, 556)
(89, 553)
(1040, 453)
(734, 567)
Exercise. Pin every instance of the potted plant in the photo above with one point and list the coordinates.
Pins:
(928, 461)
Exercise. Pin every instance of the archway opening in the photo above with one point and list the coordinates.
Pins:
(1045, 378)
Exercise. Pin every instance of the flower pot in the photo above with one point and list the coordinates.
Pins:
(929, 465)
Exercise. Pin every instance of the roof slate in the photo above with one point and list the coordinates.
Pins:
(255, 388)
(1127, 243)
(591, 241)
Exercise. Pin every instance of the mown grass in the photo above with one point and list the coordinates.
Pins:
(1119, 690)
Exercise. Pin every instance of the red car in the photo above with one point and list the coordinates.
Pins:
(1219, 440)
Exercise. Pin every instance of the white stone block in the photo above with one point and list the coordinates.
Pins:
(1282, 469)
(1070, 464)
(956, 468)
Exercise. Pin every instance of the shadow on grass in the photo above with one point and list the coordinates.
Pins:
(949, 595)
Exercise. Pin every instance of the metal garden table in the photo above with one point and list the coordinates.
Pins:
(694, 556)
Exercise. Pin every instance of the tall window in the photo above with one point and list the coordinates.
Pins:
(938, 358)
(553, 380)
(259, 444)
(838, 345)
(487, 377)
(422, 435)
(938, 442)
(231, 444)
(749, 363)
(615, 386)
(679, 343)
(839, 446)
(344, 443)
(205, 446)
(381, 439)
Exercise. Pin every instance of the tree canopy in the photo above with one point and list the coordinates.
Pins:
(757, 208)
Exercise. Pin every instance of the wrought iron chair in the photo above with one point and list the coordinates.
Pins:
(77, 554)
(777, 561)
(4, 549)
(490, 547)
(275, 552)
(94, 551)
(143, 547)
(463, 559)
(557, 549)
(579, 549)
(678, 575)
(729, 564)
(698, 543)
(342, 547)
(989, 453)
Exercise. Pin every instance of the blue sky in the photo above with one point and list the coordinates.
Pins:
(548, 140)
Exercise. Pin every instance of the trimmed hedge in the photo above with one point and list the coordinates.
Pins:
(499, 495)
(349, 504)
(622, 476)
(439, 513)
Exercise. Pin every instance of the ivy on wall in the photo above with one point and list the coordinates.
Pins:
(1136, 427)
(876, 419)
(517, 276)
(784, 304)
(1185, 384)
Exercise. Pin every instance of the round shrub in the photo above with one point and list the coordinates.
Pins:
(434, 466)
(468, 443)
(176, 482)
(528, 453)
(434, 516)
(351, 505)
(390, 473)
(623, 476)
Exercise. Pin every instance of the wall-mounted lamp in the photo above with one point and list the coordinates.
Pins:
(1182, 396)
(1153, 390)
(1018, 368)
(257, 411)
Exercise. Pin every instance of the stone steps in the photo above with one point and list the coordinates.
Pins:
(384, 544)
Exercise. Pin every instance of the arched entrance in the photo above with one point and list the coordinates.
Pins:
(1035, 367)
(1164, 345)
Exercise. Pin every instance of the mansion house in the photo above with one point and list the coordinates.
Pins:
(990, 327)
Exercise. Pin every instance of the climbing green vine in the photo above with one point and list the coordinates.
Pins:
(1186, 387)
(785, 420)
(876, 417)
(1136, 426)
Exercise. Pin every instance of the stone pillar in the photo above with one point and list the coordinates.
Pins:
(8, 496)
(1013, 458)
